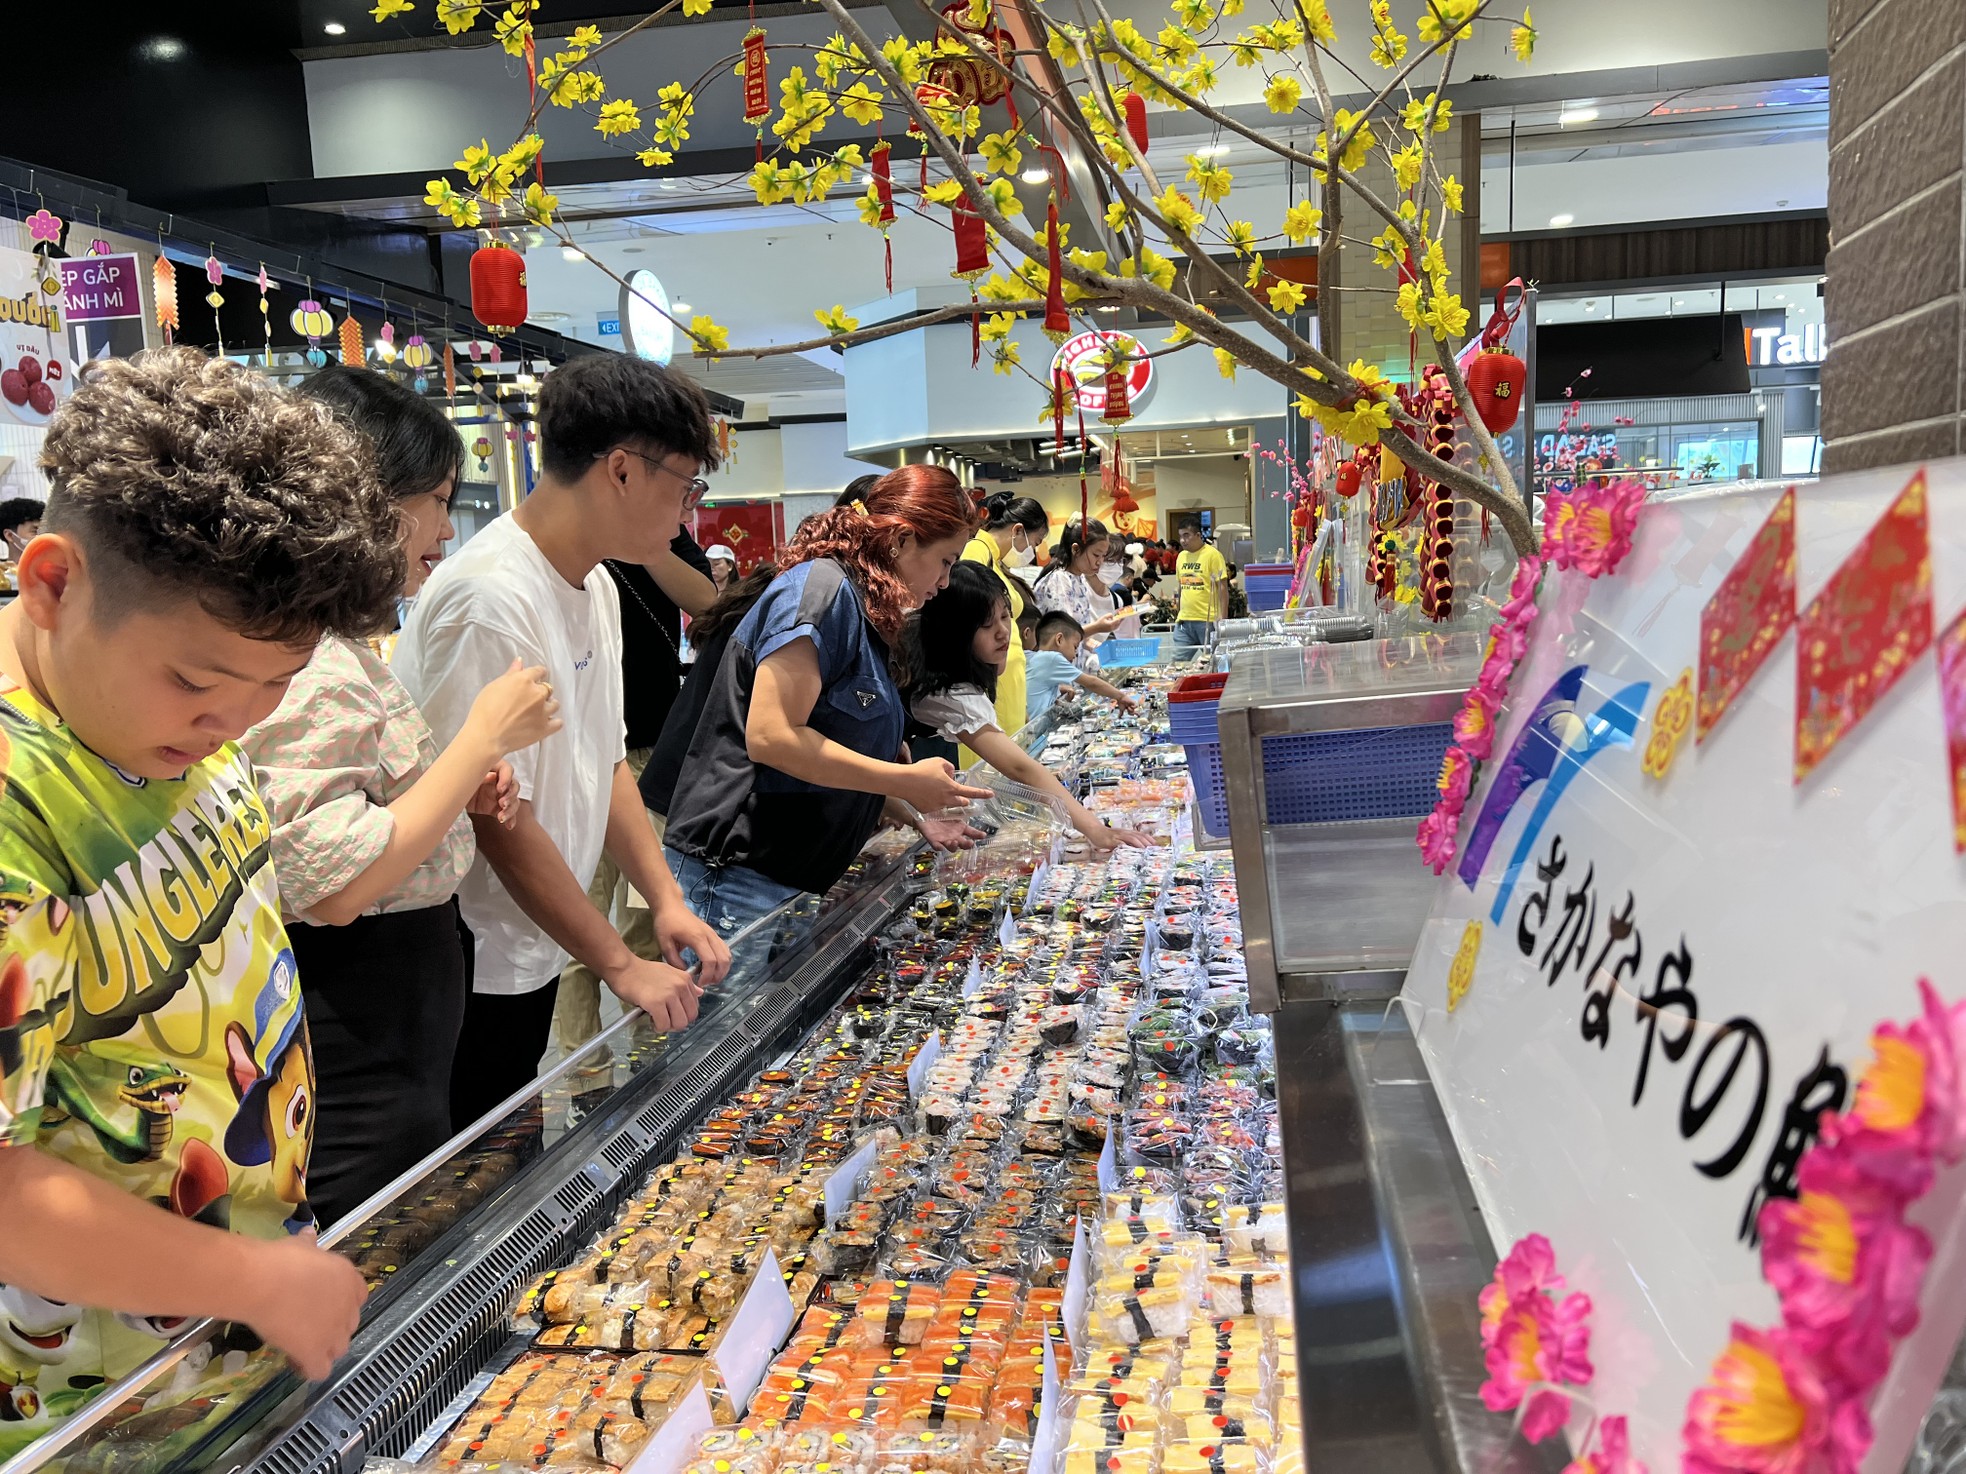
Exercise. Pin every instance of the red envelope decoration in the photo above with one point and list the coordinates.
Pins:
(1952, 700)
(1864, 630)
(1747, 615)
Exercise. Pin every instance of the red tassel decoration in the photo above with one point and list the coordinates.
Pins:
(1062, 385)
(884, 192)
(1135, 108)
(972, 242)
(1057, 325)
(1119, 407)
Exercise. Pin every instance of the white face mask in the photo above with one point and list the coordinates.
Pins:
(1111, 573)
(1018, 557)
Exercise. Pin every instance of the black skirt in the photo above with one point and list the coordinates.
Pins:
(385, 999)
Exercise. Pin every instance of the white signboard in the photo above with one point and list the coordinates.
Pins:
(1675, 975)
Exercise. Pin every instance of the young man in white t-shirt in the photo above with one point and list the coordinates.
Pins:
(621, 443)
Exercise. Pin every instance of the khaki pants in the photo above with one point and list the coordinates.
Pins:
(577, 1014)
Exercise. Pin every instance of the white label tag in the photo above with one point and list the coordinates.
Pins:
(974, 980)
(925, 1059)
(1044, 1438)
(1007, 933)
(1077, 1277)
(673, 1445)
(763, 1319)
(844, 1185)
(1109, 1164)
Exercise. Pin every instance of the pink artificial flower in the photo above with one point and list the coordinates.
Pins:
(1764, 1409)
(1474, 724)
(1456, 776)
(1846, 1265)
(1507, 642)
(1591, 528)
(1520, 607)
(43, 225)
(1613, 1454)
(1537, 1343)
(1910, 1110)
(1437, 834)
(1528, 1269)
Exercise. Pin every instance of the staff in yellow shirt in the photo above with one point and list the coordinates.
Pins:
(1014, 528)
(1203, 575)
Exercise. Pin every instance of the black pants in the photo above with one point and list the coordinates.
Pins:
(385, 999)
(499, 1049)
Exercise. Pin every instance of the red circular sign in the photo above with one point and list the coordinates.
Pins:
(1084, 358)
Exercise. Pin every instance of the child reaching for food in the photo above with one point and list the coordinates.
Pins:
(957, 647)
(1054, 666)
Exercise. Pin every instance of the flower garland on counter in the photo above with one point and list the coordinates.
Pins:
(1588, 530)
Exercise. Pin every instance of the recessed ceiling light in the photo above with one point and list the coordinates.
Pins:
(669, 184)
(679, 307)
(335, 28)
(573, 253)
(1105, 309)
(1035, 176)
(1576, 117)
(161, 48)
(1561, 220)
(1213, 151)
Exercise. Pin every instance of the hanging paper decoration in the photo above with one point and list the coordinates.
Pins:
(1119, 407)
(1134, 107)
(757, 80)
(352, 351)
(44, 230)
(972, 242)
(1063, 386)
(1747, 615)
(417, 358)
(313, 322)
(1437, 502)
(385, 341)
(1952, 700)
(495, 354)
(1864, 630)
(1057, 324)
(482, 448)
(477, 351)
(265, 313)
(964, 73)
(164, 278)
(884, 192)
(214, 277)
(498, 287)
(99, 247)
(1496, 377)
(450, 373)
(1348, 479)
(1670, 718)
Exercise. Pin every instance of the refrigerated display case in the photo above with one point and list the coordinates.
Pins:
(447, 1246)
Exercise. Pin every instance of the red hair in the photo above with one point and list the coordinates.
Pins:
(862, 536)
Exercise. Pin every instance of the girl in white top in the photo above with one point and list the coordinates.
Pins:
(957, 648)
(1070, 584)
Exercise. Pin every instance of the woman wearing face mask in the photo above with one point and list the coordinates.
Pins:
(1071, 583)
(1113, 576)
(1014, 528)
(799, 744)
(370, 837)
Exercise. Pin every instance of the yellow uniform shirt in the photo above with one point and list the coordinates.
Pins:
(1010, 685)
(1196, 572)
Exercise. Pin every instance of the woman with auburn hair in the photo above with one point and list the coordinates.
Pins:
(799, 746)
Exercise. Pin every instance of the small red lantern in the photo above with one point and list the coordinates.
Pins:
(498, 287)
(1348, 479)
(1134, 108)
(1496, 379)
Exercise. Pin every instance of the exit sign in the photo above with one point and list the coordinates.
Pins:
(610, 327)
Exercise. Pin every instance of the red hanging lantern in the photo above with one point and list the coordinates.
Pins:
(883, 181)
(498, 287)
(757, 80)
(1495, 379)
(1057, 324)
(1134, 107)
(1349, 477)
(972, 242)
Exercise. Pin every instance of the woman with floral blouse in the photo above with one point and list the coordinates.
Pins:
(371, 837)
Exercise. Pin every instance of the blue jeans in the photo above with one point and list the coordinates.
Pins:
(729, 897)
(1191, 634)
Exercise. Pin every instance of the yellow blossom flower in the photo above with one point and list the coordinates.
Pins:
(1446, 316)
(1407, 163)
(512, 29)
(1254, 276)
(1178, 211)
(1196, 15)
(1004, 357)
(1003, 194)
(477, 161)
(1451, 190)
(1001, 155)
(1000, 288)
(654, 158)
(1413, 117)
(1174, 44)
(1454, 13)
(1182, 334)
(1408, 304)
(869, 206)
(1388, 44)
(861, 103)
(1239, 236)
(386, 8)
(1286, 297)
(835, 320)
(442, 196)
(768, 182)
(539, 205)
(585, 37)
(1282, 93)
(459, 16)
(696, 7)
(900, 55)
(1522, 39)
(1321, 26)
(996, 326)
(1301, 221)
(710, 336)
(943, 192)
(1200, 79)
(1117, 215)
(1211, 180)
(1225, 363)
(1062, 46)
(1155, 268)
(619, 116)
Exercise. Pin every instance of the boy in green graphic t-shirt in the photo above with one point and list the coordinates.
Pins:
(203, 531)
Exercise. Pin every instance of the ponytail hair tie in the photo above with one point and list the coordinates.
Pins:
(860, 506)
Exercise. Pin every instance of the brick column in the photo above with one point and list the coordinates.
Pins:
(1894, 385)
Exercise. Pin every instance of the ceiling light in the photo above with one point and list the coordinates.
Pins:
(573, 253)
(335, 28)
(527, 381)
(161, 48)
(1213, 151)
(679, 307)
(1576, 117)
(1035, 176)
(1565, 218)
(1106, 309)
(665, 184)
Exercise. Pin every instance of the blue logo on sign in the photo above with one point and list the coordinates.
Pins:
(610, 327)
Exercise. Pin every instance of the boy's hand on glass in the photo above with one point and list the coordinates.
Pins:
(309, 1299)
(679, 929)
(666, 994)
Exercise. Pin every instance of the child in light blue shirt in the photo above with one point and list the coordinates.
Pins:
(1050, 668)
